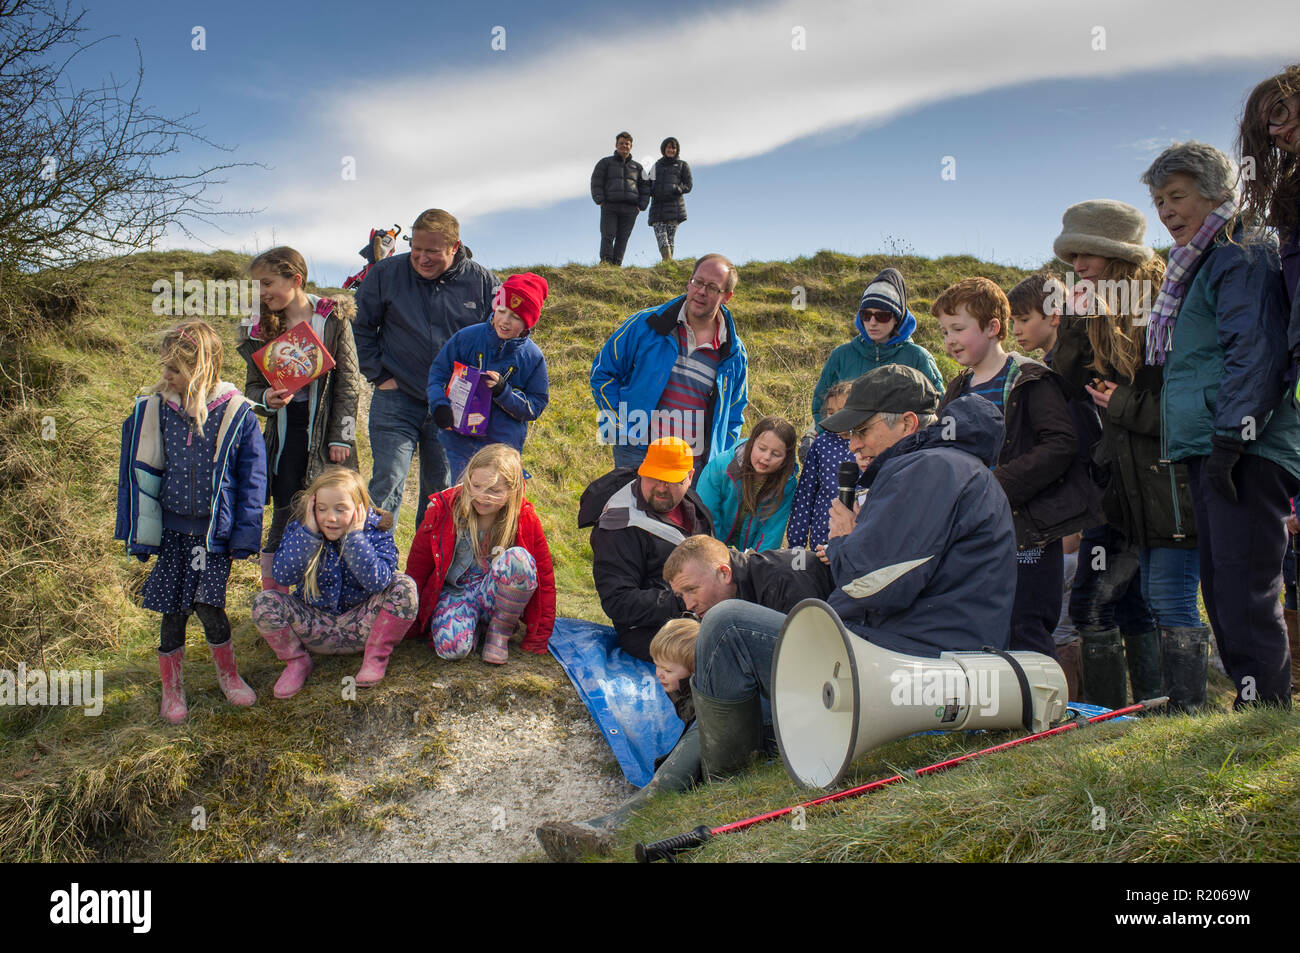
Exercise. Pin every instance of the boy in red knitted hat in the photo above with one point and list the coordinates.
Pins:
(512, 365)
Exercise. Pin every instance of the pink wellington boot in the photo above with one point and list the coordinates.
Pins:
(298, 663)
(387, 631)
(235, 688)
(268, 580)
(171, 664)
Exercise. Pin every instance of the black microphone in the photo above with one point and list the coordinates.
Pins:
(848, 481)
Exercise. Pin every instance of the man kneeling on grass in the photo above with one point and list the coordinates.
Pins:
(926, 565)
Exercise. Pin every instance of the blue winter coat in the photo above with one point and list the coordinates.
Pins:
(521, 365)
(930, 566)
(629, 374)
(237, 493)
(1228, 364)
(403, 320)
(719, 488)
(351, 570)
(818, 488)
(854, 358)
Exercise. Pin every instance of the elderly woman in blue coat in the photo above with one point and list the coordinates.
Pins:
(1219, 327)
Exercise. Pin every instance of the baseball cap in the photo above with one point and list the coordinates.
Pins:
(668, 459)
(890, 389)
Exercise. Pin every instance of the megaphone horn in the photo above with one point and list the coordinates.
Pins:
(835, 695)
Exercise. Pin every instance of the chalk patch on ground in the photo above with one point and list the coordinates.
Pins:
(504, 773)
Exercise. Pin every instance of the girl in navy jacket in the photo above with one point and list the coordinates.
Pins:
(191, 484)
(339, 552)
(513, 366)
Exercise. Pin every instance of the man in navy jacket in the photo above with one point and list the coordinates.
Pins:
(407, 308)
(927, 564)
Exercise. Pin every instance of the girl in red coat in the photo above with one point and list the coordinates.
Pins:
(481, 552)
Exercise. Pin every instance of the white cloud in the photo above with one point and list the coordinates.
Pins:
(519, 132)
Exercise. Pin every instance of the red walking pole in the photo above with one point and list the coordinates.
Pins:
(668, 848)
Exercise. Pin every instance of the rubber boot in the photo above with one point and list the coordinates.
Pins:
(731, 732)
(508, 606)
(387, 631)
(268, 580)
(1293, 637)
(233, 687)
(171, 665)
(1070, 655)
(1104, 676)
(298, 663)
(1143, 652)
(1185, 659)
(566, 841)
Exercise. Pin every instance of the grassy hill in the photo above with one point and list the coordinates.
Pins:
(74, 348)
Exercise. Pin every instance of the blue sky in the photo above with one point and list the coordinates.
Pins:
(837, 145)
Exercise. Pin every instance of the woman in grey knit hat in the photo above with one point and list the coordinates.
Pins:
(1137, 575)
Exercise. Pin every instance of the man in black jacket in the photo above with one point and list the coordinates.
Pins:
(638, 517)
(619, 186)
(703, 571)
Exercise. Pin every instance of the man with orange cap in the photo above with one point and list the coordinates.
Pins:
(638, 517)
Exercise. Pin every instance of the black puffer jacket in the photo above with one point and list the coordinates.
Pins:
(629, 546)
(672, 180)
(1147, 500)
(1048, 486)
(616, 179)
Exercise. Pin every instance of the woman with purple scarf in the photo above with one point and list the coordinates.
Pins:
(1219, 327)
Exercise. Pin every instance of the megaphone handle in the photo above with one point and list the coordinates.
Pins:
(665, 849)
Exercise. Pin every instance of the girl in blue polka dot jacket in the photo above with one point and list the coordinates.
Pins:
(339, 551)
(191, 485)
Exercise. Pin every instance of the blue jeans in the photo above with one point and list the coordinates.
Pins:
(1170, 578)
(733, 654)
(398, 425)
(627, 456)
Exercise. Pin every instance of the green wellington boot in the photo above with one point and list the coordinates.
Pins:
(566, 841)
(1104, 676)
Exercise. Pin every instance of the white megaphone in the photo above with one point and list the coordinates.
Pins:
(835, 695)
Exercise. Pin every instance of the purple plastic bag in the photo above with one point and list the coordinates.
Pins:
(471, 400)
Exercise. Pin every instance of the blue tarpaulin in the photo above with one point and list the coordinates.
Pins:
(621, 692)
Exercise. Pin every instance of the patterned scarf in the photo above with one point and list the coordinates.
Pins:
(1182, 262)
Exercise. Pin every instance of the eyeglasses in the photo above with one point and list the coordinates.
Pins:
(708, 286)
(860, 431)
(1280, 113)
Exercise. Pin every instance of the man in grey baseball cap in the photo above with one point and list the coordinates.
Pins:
(925, 565)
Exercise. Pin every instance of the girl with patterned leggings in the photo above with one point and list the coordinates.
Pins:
(480, 556)
(339, 552)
